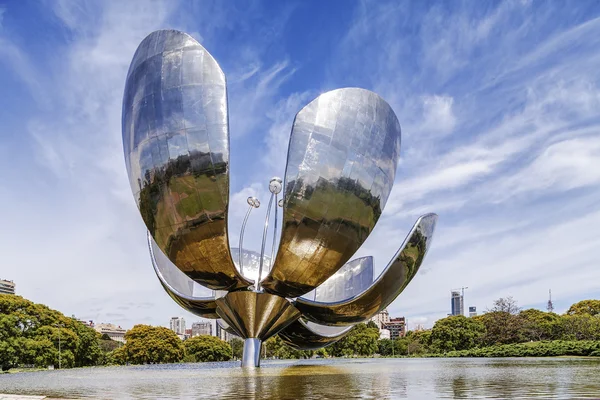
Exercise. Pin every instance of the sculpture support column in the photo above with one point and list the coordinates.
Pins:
(251, 354)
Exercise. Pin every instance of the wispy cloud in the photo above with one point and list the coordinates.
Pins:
(515, 126)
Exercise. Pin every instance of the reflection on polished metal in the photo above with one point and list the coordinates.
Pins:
(256, 314)
(176, 144)
(251, 260)
(341, 164)
(302, 335)
(251, 353)
(184, 291)
(400, 271)
(354, 277)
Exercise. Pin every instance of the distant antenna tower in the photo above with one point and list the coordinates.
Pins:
(550, 306)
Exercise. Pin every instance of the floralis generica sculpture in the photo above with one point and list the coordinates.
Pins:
(342, 158)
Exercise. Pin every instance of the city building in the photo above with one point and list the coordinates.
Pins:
(7, 287)
(177, 325)
(113, 331)
(472, 311)
(381, 318)
(397, 327)
(384, 334)
(457, 303)
(419, 328)
(201, 328)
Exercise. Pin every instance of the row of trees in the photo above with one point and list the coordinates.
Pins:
(508, 324)
(155, 344)
(30, 334)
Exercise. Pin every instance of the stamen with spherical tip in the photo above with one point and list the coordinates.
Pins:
(275, 187)
(253, 203)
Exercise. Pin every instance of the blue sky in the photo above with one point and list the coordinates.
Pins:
(498, 103)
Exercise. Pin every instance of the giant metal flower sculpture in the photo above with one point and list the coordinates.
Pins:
(342, 159)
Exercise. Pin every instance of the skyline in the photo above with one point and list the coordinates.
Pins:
(500, 138)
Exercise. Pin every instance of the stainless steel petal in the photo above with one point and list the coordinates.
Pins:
(225, 326)
(184, 291)
(176, 145)
(341, 165)
(392, 281)
(303, 335)
(251, 261)
(353, 278)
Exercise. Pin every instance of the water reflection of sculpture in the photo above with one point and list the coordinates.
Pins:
(341, 164)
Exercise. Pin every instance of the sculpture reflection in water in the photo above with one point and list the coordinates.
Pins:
(342, 158)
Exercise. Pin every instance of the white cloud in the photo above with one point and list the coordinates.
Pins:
(438, 116)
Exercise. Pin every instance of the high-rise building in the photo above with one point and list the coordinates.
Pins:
(201, 328)
(113, 331)
(381, 318)
(177, 325)
(472, 311)
(7, 287)
(384, 334)
(458, 307)
(396, 326)
(223, 334)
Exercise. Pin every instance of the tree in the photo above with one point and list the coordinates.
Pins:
(152, 344)
(361, 340)
(237, 348)
(538, 325)
(29, 334)
(501, 327)
(208, 348)
(507, 305)
(456, 333)
(373, 325)
(275, 347)
(589, 307)
(580, 327)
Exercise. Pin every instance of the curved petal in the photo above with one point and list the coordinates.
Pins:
(176, 145)
(251, 260)
(353, 278)
(302, 335)
(226, 327)
(189, 295)
(392, 281)
(341, 165)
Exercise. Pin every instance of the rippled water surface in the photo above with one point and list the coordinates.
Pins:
(545, 378)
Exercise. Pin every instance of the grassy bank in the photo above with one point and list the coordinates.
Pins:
(553, 348)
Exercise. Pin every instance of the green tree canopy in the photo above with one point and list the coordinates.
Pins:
(147, 344)
(29, 335)
(208, 348)
(456, 333)
(589, 307)
(501, 327)
(361, 340)
(539, 325)
(274, 347)
(237, 347)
